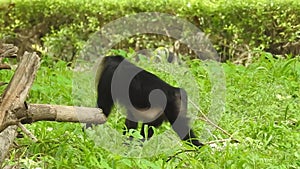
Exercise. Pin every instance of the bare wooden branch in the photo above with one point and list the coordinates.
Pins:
(18, 88)
(27, 132)
(4, 66)
(6, 139)
(14, 96)
(7, 124)
(3, 83)
(38, 112)
(207, 120)
(47, 112)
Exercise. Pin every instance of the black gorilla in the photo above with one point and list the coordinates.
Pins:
(146, 97)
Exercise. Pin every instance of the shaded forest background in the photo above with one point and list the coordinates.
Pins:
(237, 28)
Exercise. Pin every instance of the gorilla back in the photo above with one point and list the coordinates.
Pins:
(146, 97)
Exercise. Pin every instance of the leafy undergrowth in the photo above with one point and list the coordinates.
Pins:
(61, 27)
(262, 112)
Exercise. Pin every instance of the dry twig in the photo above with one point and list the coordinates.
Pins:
(27, 132)
(207, 120)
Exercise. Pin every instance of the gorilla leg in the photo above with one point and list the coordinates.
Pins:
(130, 123)
(156, 123)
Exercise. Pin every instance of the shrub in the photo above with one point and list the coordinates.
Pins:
(235, 27)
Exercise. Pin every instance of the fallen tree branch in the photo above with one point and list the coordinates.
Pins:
(19, 86)
(6, 139)
(21, 126)
(39, 112)
(8, 123)
(14, 97)
(47, 112)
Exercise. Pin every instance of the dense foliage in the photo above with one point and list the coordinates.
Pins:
(235, 27)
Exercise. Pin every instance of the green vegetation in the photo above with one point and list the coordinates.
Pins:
(235, 27)
(262, 110)
(262, 93)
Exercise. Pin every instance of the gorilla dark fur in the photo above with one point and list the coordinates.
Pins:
(146, 97)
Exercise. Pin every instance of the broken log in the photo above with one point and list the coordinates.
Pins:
(39, 112)
(58, 113)
(14, 97)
